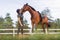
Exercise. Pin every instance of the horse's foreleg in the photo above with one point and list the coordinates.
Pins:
(35, 27)
(32, 27)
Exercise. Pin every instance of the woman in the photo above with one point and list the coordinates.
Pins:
(20, 20)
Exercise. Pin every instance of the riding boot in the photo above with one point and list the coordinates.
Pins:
(21, 29)
(18, 30)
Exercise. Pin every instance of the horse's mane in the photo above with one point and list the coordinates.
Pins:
(37, 11)
(32, 8)
(40, 15)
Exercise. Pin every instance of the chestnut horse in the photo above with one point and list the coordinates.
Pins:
(35, 16)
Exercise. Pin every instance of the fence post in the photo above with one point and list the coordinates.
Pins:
(46, 30)
(14, 25)
(13, 32)
(30, 31)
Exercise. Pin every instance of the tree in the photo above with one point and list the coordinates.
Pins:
(57, 21)
(1, 22)
(25, 22)
(45, 11)
(8, 21)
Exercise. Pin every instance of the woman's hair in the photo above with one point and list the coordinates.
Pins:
(17, 10)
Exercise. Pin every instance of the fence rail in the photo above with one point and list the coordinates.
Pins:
(13, 33)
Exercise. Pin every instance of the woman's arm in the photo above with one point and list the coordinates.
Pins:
(19, 21)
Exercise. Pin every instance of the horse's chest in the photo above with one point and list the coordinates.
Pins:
(35, 17)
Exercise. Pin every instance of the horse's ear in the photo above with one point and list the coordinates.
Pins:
(26, 3)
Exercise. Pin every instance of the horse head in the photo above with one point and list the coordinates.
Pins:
(25, 8)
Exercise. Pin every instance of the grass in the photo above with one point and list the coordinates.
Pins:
(45, 37)
(31, 37)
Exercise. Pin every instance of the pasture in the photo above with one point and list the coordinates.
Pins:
(31, 37)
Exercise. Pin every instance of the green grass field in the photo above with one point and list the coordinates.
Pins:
(31, 37)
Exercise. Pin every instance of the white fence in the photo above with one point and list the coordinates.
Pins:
(13, 33)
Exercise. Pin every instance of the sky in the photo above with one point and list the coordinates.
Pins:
(10, 6)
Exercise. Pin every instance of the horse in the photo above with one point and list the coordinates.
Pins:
(35, 17)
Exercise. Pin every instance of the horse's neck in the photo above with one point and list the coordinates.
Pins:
(31, 11)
